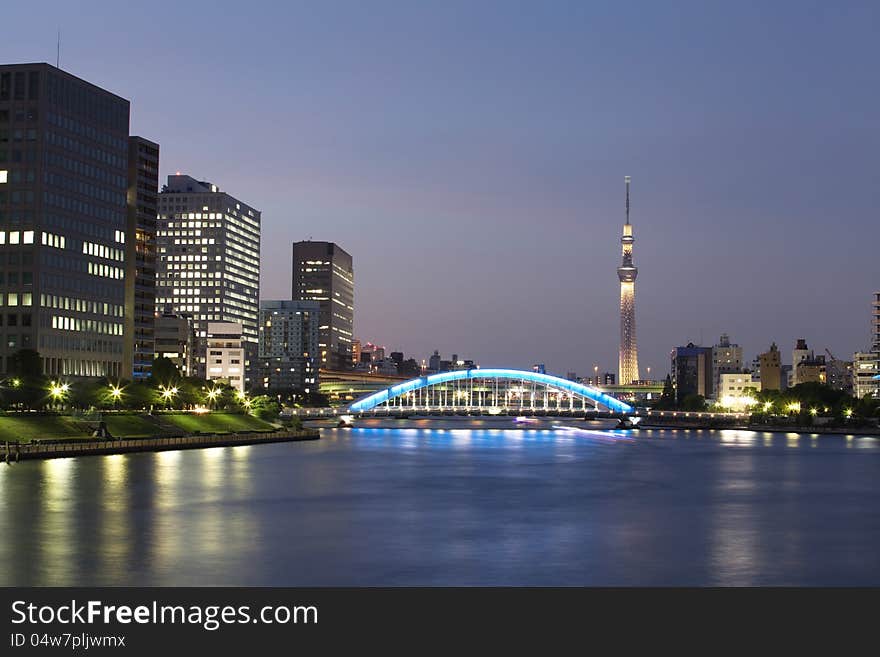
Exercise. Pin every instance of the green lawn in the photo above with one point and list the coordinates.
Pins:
(130, 426)
(217, 422)
(24, 428)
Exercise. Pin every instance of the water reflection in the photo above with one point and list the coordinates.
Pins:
(562, 502)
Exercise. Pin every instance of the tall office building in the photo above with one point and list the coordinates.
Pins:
(140, 257)
(692, 371)
(174, 340)
(289, 346)
(771, 369)
(628, 364)
(63, 183)
(875, 323)
(208, 262)
(323, 272)
(225, 357)
(727, 358)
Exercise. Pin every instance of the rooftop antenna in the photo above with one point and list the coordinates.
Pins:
(58, 50)
(627, 179)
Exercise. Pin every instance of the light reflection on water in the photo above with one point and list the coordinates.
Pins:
(437, 503)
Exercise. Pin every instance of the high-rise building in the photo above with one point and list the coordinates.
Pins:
(289, 346)
(692, 371)
(875, 324)
(174, 339)
(726, 358)
(225, 354)
(63, 183)
(800, 353)
(140, 257)
(208, 262)
(628, 368)
(866, 364)
(771, 369)
(866, 367)
(323, 272)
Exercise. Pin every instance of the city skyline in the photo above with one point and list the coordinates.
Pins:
(512, 224)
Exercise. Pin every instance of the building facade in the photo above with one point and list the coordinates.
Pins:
(771, 369)
(140, 257)
(726, 358)
(800, 353)
(289, 351)
(692, 371)
(174, 339)
(63, 186)
(225, 351)
(324, 272)
(736, 390)
(208, 261)
(866, 367)
(628, 360)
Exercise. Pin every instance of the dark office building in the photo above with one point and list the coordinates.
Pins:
(692, 371)
(289, 347)
(140, 257)
(323, 272)
(63, 184)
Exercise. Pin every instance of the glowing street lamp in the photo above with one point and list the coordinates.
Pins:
(115, 393)
(213, 393)
(794, 407)
(168, 393)
(814, 412)
(767, 406)
(848, 412)
(58, 390)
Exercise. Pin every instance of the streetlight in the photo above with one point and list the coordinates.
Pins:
(58, 391)
(168, 393)
(848, 412)
(596, 375)
(767, 406)
(212, 395)
(814, 412)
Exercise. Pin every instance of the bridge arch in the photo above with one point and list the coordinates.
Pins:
(468, 377)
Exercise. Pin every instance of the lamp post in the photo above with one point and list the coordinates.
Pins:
(168, 393)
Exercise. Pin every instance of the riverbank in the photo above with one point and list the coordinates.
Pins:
(785, 428)
(12, 452)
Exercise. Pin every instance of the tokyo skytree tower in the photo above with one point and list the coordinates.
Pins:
(628, 364)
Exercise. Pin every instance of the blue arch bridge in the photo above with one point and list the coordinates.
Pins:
(494, 392)
(488, 390)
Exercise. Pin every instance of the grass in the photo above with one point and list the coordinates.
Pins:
(130, 426)
(217, 422)
(24, 428)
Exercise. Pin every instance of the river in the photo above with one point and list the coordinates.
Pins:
(448, 503)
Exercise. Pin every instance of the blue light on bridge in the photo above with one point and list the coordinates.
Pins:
(375, 399)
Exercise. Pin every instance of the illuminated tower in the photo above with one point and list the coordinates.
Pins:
(628, 364)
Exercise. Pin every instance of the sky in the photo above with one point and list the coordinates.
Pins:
(471, 157)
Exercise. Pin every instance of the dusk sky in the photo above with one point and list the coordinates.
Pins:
(471, 156)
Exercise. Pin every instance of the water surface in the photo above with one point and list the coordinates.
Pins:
(439, 504)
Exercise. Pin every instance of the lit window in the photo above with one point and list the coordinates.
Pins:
(4, 175)
(28, 237)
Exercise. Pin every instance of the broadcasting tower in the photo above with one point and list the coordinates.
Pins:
(628, 364)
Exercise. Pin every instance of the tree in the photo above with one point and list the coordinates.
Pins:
(693, 402)
(164, 372)
(667, 398)
(266, 408)
(25, 363)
